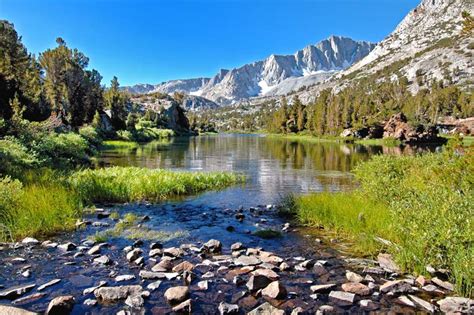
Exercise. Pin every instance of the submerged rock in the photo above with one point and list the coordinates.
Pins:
(14, 292)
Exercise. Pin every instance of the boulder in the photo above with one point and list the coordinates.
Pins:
(456, 304)
(228, 309)
(342, 298)
(275, 290)
(398, 128)
(177, 294)
(61, 305)
(111, 294)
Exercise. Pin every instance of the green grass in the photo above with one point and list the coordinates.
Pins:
(466, 140)
(125, 184)
(422, 204)
(322, 139)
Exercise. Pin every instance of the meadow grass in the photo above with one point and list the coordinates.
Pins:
(389, 142)
(421, 204)
(124, 184)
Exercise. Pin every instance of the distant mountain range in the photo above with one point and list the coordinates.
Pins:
(276, 75)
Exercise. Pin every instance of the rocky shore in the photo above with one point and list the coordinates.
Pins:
(142, 276)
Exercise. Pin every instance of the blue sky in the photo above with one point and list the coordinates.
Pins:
(153, 41)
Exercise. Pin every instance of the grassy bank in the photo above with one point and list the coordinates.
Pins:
(48, 203)
(421, 204)
(322, 139)
(123, 184)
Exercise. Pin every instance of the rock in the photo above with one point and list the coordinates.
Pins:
(154, 285)
(184, 266)
(156, 245)
(100, 224)
(275, 290)
(356, 288)
(266, 309)
(124, 278)
(151, 275)
(96, 249)
(284, 266)
(183, 308)
(228, 309)
(203, 285)
(443, 284)
(428, 307)
(49, 244)
(213, 246)
(319, 270)
(386, 262)
(173, 252)
(307, 264)
(453, 305)
(421, 281)
(134, 301)
(48, 284)
(14, 292)
(368, 305)
(134, 254)
(247, 261)
(155, 252)
(11, 310)
(163, 266)
(341, 298)
(208, 275)
(177, 295)
(325, 309)
(103, 215)
(137, 243)
(321, 288)
(396, 286)
(397, 127)
(237, 246)
(404, 300)
(67, 247)
(26, 273)
(354, 277)
(270, 274)
(29, 298)
(30, 241)
(104, 260)
(60, 305)
(257, 282)
(432, 289)
(90, 302)
(110, 294)
(92, 289)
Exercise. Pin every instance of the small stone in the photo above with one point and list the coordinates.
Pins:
(26, 273)
(60, 305)
(356, 288)
(266, 308)
(96, 249)
(92, 289)
(155, 252)
(354, 277)
(341, 298)
(325, 309)
(177, 295)
(183, 266)
(228, 309)
(124, 278)
(137, 243)
(319, 270)
(247, 261)
(48, 284)
(423, 304)
(208, 275)
(396, 286)
(284, 266)
(30, 241)
(213, 246)
(134, 254)
(321, 288)
(275, 290)
(270, 274)
(154, 285)
(237, 246)
(421, 281)
(404, 300)
(90, 302)
(139, 261)
(203, 285)
(443, 284)
(386, 262)
(183, 308)
(110, 294)
(67, 247)
(173, 252)
(368, 305)
(135, 301)
(257, 282)
(104, 260)
(156, 245)
(432, 289)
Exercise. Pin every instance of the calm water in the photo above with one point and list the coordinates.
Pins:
(273, 166)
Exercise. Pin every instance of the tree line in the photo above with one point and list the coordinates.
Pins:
(57, 84)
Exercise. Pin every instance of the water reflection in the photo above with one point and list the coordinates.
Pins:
(273, 166)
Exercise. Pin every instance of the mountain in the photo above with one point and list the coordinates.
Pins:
(276, 75)
(428, 44)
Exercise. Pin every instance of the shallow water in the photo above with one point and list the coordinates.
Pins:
(273, 167)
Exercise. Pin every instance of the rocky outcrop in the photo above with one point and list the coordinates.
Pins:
(397, 128)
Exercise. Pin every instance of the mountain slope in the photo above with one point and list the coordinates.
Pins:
(276, 75)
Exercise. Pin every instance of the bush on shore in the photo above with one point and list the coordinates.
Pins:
(422, 204)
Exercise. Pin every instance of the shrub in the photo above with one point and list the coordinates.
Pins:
(15, 157)
(91, 135)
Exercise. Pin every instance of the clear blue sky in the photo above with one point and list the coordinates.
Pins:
(153, 41)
